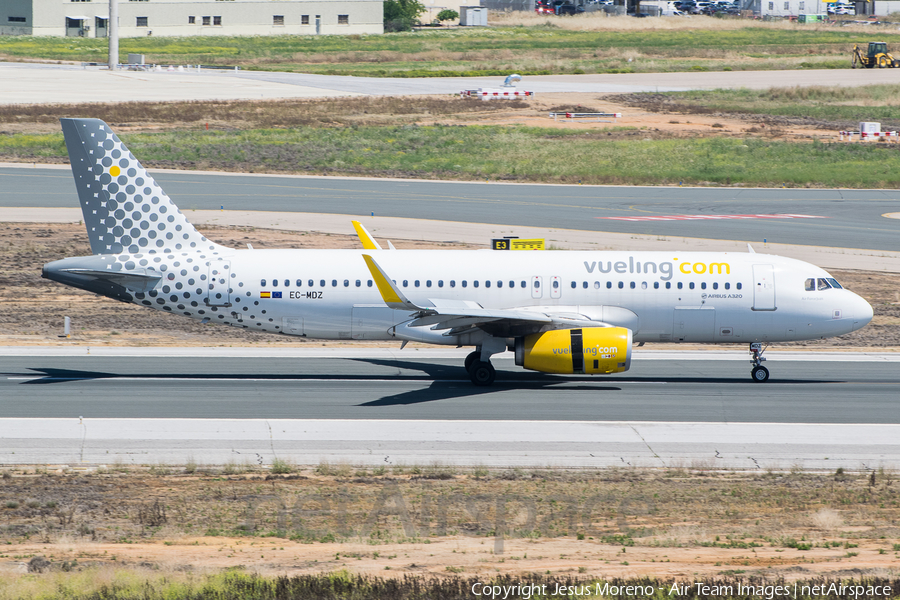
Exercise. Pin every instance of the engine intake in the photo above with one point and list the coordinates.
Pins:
(586, 351)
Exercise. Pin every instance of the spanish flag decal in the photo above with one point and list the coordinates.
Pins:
(265, 294)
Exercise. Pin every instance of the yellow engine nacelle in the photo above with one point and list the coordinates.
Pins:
(587, 351)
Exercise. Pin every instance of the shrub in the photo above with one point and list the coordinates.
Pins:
(401, 15)
(447, 15)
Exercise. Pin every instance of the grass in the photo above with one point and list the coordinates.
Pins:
(522, 43)
(126, 584)
(824, 103)
(502, 153)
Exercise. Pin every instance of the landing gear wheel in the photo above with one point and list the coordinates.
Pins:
(482, 373)
(760, 374)
(471, 358)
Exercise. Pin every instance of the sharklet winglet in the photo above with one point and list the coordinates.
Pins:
(365, 237)
(391, 295)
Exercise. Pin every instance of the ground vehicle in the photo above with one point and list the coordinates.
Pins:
(877, 55)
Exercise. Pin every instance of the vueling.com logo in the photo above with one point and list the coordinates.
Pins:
(664, 269)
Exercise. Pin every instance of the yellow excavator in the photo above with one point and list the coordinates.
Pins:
(877, 56)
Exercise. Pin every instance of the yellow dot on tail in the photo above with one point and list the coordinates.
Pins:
(114, 171)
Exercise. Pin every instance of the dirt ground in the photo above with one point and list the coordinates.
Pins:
(614, 523)
(32, 308)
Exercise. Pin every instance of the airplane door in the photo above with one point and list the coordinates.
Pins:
(555, 287)
(219, 276)
(537, 286)
(763, 287)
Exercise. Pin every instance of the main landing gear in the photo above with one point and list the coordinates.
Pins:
(759, 372)
(481, 372)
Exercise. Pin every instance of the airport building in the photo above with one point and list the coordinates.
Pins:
(90, 18)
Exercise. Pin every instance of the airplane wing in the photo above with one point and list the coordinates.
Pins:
(460, 315)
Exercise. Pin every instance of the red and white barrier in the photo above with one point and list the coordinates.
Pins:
(492, 94)
(864, 136)
(575, 115)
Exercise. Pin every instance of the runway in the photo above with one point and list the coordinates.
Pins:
(850, 218)
(389, 384)
(382, 406)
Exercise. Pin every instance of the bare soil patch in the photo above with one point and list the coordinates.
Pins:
(401, 520)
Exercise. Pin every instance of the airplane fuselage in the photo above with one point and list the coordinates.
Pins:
(329, 294)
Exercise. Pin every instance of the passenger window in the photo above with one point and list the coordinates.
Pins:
(668, 285)
(274, 283)
(417, 283)
(823, 285)
(727, 286)
(643, 285)
(715, 285)
(609, 285)
(632, 285)
(596, 285)
(358, 283)
(405, 283)
(440, 283)
(334, 283)
(703, 286)
(584, 284)
(499, 284)
(311, 283)
(428, 283)
(321, 283)
(574, 285)
(346, 283)
(299, 283)
(810, 285)
(512, 284)
(452, 283)
(738, 286)
(464, 283)
(655, 285)
(691, 285)
(621, 285)
(835, 284)
(680, 285)
(487, 283)
(537, 284)
(369, 283)
(262, 283)
(475, 283)
(287, 283)
(524, 285)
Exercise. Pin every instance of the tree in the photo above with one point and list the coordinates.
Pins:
(447, 15)
(400, 15)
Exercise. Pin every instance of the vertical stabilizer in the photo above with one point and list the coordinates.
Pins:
(125, 211)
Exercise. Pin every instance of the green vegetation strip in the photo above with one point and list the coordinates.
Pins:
(866, 103)
(503, 153)
(95, 584)
(467, 52)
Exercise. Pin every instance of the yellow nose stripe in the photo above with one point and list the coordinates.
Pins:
(114, 171)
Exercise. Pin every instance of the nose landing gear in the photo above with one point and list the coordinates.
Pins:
(759, 372)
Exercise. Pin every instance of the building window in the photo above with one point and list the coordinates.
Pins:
(787, 6)
(278, 20)
(802, 5)
(304, 19)
(206, 20)
(771, 6)
(217, 20)
(16, 19)
(343, 19)
(141, 21)
(192, 20)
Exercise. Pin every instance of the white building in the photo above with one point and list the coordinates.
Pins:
(787, 8)
(89, 18)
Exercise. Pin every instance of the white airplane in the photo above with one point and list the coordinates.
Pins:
(560, 312)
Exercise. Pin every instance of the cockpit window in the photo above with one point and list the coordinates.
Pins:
(835, 284)
(810, 285)
(823, 285)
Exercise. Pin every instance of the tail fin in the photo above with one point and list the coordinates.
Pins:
(125, 211)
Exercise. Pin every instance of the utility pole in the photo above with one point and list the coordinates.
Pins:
(113, 33)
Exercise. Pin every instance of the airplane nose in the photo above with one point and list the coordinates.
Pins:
(861, 312)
